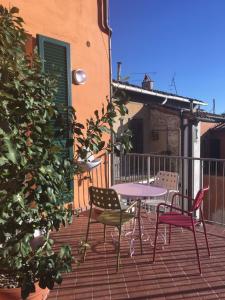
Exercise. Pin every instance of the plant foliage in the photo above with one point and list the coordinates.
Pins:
(32, 173)
(94, 136)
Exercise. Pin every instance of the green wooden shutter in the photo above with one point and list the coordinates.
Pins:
(56, 60)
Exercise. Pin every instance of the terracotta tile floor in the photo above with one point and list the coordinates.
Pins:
(174, 275)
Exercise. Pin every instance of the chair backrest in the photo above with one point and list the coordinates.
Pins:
(199, 198)
(168, 180)
(104, 198)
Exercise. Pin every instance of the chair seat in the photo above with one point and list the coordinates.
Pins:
(151, 204)
(155, 202)
(96, 213)
(112, 218)
(176, 219)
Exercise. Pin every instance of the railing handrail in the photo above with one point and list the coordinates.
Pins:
(194, 173)
(175, 157)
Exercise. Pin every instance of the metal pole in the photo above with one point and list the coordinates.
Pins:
(190, 167)
(119, 70)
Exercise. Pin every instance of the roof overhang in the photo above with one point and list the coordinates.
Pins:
(157, 94)
(203, 116)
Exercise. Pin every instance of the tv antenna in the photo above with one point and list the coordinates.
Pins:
(214, 106)
(143, 73)
(126, 78)
(213, 110)
(119, 77)
(173, 83)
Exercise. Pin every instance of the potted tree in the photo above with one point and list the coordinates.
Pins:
(34, 173)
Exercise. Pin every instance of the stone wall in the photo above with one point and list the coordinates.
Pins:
(164, 132)
(161, 128)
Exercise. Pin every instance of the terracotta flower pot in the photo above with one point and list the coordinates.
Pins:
(14, 294)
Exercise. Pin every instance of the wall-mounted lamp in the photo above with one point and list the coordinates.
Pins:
(79, 76)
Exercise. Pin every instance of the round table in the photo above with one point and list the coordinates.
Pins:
(139, 191)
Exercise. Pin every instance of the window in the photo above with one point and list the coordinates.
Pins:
(56, 60)
(155, 135)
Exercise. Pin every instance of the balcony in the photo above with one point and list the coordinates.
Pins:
(175, 274)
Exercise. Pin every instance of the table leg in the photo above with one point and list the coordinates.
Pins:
(139, 224)
(132, 232)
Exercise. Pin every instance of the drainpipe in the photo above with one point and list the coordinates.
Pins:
(182, 127)
(119, 70)
(190, 154)
(190, 167)
(105, 20)
(111, 158)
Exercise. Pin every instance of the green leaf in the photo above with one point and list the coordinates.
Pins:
(38, 128)
(11, 151)
(105, 129)
(3, 160)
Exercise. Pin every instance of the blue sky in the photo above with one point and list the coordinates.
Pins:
(184, 39)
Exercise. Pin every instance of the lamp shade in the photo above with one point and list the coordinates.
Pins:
(79, 76)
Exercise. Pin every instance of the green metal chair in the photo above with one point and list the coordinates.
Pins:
(112, 213)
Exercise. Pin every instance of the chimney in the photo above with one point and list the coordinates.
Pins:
(119, 70)
(147, 83)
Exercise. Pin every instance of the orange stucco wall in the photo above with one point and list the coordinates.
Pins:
(75, 22)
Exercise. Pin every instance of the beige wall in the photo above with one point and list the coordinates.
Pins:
(74, 22)
(165, 124)
(137, 111)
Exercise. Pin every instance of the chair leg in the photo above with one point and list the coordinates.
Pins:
(118, 250)
(196, 248)
(206, 239)
(156, 235)
(139, 224)
(87, 233)
(86, 240)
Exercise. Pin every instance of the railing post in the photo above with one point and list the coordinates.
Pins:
(111, 168)
(182, 181)
(190, 167)
(149, 168)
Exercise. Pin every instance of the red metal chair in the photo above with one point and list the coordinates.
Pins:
(182, 218)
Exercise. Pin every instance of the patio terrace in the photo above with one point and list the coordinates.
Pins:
(173, 276)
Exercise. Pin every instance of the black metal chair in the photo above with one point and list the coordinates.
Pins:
(112, 213)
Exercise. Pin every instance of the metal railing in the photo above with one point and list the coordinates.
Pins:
(194, 173)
